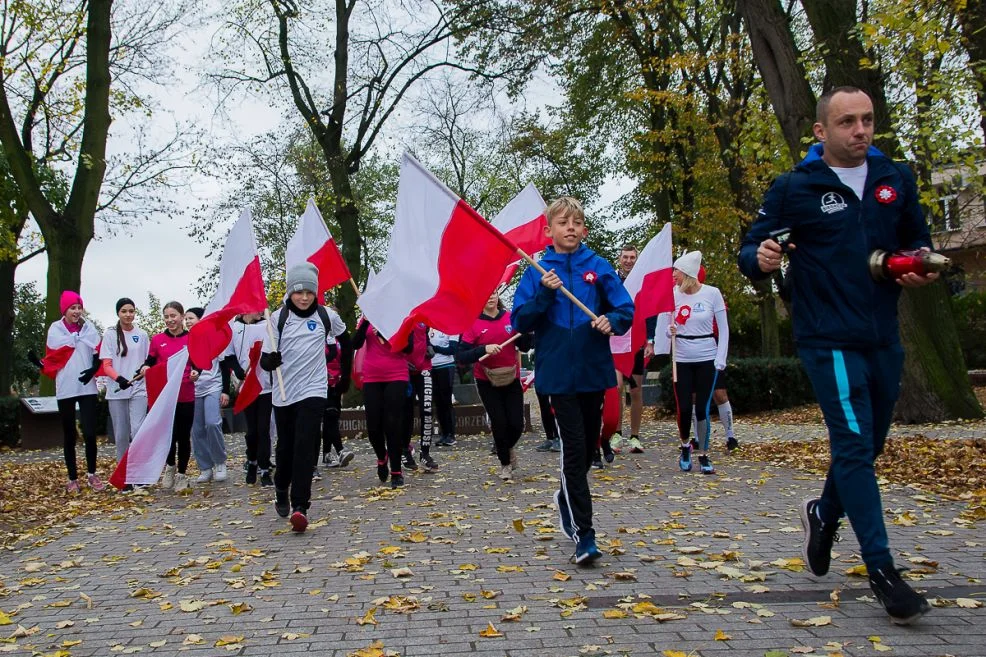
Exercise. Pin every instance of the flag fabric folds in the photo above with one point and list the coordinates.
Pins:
(443, 263)
(651, 287)
(313, 243)
(241, 290)
(251, 387)
(522, 221)
(145, 458)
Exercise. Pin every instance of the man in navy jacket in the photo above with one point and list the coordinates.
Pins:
(842, 202)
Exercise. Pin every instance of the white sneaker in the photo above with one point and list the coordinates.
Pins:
(345, 458)
(220, 474)
(168, 480)
(331, 460)
(205, 477)
(181, 482)
(506, 472)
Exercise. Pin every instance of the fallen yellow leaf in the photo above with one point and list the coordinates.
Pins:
(490, 632)
(368, 617)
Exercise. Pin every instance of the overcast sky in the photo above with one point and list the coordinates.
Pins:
(157, 255)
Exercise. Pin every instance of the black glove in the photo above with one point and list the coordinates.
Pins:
(342, 387)
(124, 384)
(271, 361)
(32, 357)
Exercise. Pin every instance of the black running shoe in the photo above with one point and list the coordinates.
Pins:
(597, 461)
(383, 470)
(545, 446)
(429, 463)
(446, 441)
(819, 536)
(265, 478)
(731, 444)
(251, 473)
(281, 503)
(396, 481)
(409, 461)
(903, 604)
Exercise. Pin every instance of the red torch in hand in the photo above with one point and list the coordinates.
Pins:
(888, 266)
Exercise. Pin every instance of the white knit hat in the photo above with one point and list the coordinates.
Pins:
(689, 263)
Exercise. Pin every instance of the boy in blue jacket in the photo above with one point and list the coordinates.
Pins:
(573, 361)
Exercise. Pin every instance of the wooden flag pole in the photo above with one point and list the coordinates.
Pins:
(273, 343)
(355, 289)
(515, 337)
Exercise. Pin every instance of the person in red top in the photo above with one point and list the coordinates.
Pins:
(497, 378)
(385, 380)
(164, 345)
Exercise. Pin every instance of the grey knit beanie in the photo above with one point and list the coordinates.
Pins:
(303, 276)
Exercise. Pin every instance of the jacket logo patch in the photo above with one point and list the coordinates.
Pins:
(590, 277)
(508, 328)
(832, 202)
(886, 194)
(310, 324)
(135, 338)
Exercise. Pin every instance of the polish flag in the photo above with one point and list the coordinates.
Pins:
(313, 243)
(443, 263)
(241, 290)
(651, 287)
(60, 347)
(251, 387)
(522, 221)
(145, 458)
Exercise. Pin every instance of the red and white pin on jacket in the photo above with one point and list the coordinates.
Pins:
(590, 277)
(886, 194)
(683, 314)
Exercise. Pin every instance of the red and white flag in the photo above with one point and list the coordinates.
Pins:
(60, 347)
(241, 290)
(443, 263)
(522, 221)
(313, 243)
(652, 289)
(145, 458)
(252, 387)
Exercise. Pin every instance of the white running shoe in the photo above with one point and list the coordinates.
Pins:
(345, 458)
(168, 480)
(181, 482)
(330, 460)
(220, 473)
(205, 477)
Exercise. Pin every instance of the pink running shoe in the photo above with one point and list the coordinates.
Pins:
(95, 482)
(72, 486)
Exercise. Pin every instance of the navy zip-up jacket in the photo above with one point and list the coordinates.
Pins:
(569, 355)
(835, 302)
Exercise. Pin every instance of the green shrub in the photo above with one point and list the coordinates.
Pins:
(10, 430)
(755, 384)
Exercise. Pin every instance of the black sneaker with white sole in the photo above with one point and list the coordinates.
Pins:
(819, 536)
(904, 605)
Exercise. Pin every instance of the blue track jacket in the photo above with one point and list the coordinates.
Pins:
(571, 356)
(835, 302)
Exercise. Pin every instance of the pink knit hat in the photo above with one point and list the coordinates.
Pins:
(69, 298)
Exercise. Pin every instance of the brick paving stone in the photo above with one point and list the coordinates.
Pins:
(677, 539)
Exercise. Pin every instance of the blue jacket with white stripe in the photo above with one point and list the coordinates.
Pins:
(835, 302)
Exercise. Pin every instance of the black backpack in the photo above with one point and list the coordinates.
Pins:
(323, 314)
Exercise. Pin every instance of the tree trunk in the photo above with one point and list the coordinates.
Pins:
(781, 69)
(935, 385)
(770, 336)
(973, 22)
(7, 270)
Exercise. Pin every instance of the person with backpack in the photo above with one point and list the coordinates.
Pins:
(303, 325)
(338, 365)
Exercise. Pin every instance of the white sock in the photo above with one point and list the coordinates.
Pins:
(726, 417)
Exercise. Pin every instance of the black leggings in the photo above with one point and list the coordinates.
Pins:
(181, 435)
(87, 418)
(441, 378)
(694, 379)
(258, 431)
(547, 417)
(385, 409)
(297, 448)
(331, 438)
(422, 392)
(505, 408)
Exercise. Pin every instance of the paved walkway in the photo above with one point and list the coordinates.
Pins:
(694, 565)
